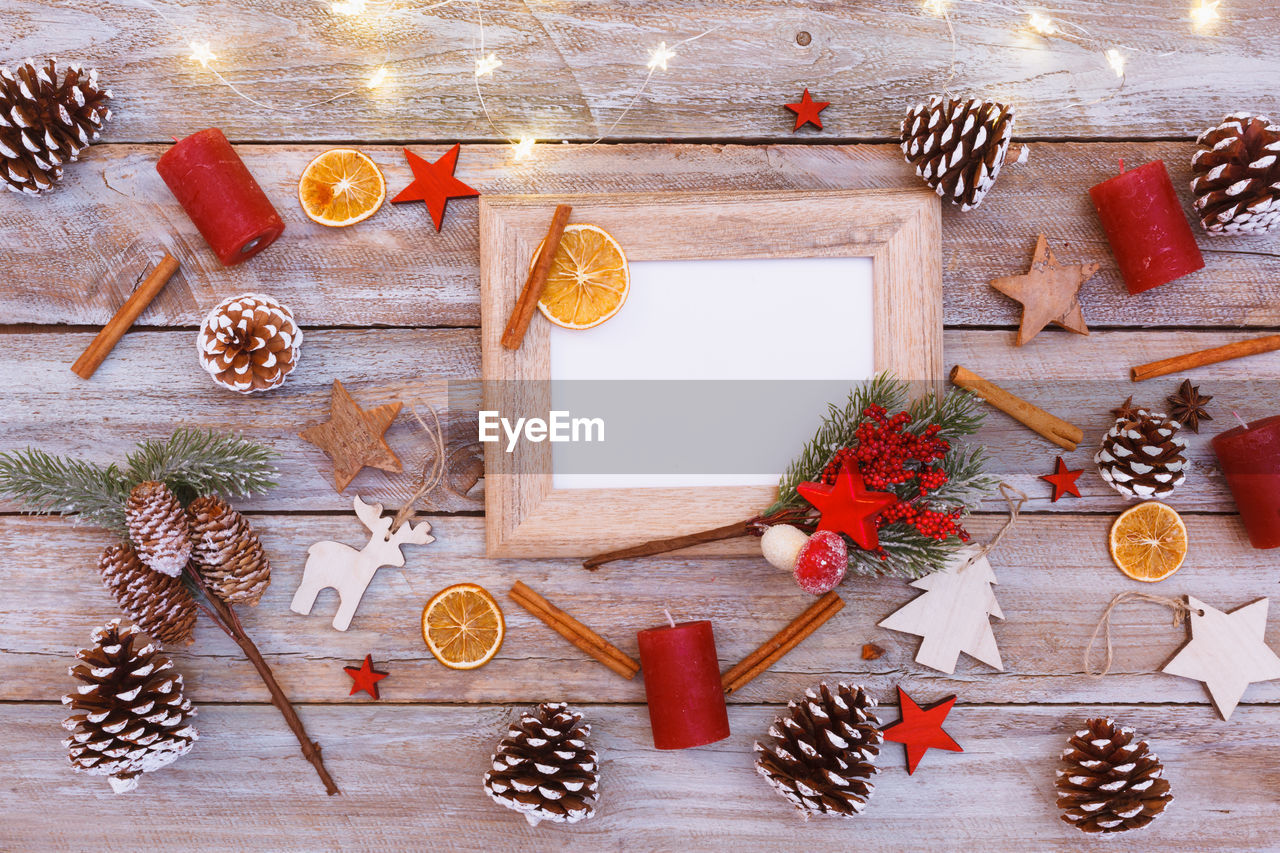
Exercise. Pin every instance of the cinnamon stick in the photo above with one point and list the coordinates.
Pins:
(673, 543)
(1062, 433)
(782, 642)
(114, 330)
(574, 631)
(1192, 360)
(522, 314)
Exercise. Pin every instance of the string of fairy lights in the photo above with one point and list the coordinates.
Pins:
(1202, 15)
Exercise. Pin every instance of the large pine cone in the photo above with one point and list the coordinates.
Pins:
(1143, 456)
(544, 768)
(131, 717)
(158, 527)
(1111, 784)
(226, 551)
(249, 343)
(159, 603)
(957, 146)
(1237, 183)
(47, 117)
(823, 755)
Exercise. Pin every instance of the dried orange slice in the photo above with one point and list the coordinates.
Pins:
(341, 187)
(588, 281)
(463, 626)
(1149, 541)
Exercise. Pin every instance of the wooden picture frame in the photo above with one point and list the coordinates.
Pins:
(900, 230)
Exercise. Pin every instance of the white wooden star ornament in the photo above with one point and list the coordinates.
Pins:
(1227, 651)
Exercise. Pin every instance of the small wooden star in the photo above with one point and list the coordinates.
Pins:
(807, 111)
(434, 183)
(1227, 651)
(1063, 480)
(365, 677)
(847, 507)
(1187, 406)
(921, 729)
(353, 437)
(1048, 293)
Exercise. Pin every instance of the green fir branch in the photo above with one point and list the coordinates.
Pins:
(46, 485)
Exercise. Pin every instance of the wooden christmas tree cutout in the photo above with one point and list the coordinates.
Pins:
(353, 437)
(1048, 293)
(952, 615)
(1227, 651)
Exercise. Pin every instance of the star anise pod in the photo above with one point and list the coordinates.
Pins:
(1187, 407)
(1126, 410)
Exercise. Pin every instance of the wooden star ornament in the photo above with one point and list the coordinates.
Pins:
(847, 507)
(920, 729)
(365, 677)
(434, 183)
(1048, 293)
(353, 437)
(807, 111)
(1227, 651)
(1063, 480)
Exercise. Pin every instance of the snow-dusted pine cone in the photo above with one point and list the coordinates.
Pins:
(158, 527)
(823, 755)
(159, 603)
(249, 343)
(48, 116)
(1143, 456)
(958, 146)
(1111, 784)
(130, 716)
(545, 769)
(226, 551)
(1237, 182)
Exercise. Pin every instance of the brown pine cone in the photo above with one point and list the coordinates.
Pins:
(544, 767)
(1143, 456)
(159, 603)
(1111, 784)
(249, 343)
(158, 528)
(1237, 182)
(47, 118)
(130, 715)
(958, 146)
(823, 756)
(226, 551)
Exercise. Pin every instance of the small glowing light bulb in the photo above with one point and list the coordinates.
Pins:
(486, 65)
(1116, 60)
(1205, 12)
(659, 55)
(349, 7)
(378, 77)
(936, 7)
(201, 53)
(1042, 24)
(524, 148)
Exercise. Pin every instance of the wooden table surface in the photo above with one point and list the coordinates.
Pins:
(390, 307)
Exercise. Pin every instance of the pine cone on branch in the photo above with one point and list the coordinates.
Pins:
(249, 343)
(1143, 456)
(158, 527)
(130, 714)
(227, 552)
(1237, 182)
(958, 146)
(1111, 784)
(544, 767)
(47, 118)
(823, 755)
(160, 604)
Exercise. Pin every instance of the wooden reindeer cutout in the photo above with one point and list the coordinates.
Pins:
(348, 571)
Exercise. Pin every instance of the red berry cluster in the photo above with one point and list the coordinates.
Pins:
(935, 524)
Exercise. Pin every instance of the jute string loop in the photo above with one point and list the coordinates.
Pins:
(1014, 498)
(1180, 613)
(431, 476)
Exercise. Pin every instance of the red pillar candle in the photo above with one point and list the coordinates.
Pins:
(1148, 232)
(682, 684)
(216, 190)
(1250, 457)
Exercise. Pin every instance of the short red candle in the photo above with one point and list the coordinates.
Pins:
(1250, 458)
(216, 190)
(682, 684)
(1148, 232)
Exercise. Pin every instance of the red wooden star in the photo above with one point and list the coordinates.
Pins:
(921, 728)
(807, 111)
(365, 677)
(434, 183)
(847, 507)
(1063, 480)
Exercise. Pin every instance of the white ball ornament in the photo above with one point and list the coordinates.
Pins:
(781, 544)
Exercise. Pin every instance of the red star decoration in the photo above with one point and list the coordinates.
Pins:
(807, 111)
(847, 507)
(365, 677)
(1063, 480)
(434, 183)
(921, 728)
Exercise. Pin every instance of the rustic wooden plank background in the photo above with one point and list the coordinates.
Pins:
(390, 307)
